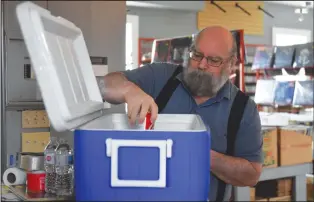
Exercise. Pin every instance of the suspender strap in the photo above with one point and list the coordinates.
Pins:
(234, 121)
(167, 91)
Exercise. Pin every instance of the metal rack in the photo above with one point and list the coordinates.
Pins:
(298, 172)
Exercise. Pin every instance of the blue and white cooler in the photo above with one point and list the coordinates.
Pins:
(113, 161)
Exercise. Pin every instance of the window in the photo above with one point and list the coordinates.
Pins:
(287, 37)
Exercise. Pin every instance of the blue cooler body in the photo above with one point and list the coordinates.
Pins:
(158, 165)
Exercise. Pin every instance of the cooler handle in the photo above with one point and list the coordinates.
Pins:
(165, 149)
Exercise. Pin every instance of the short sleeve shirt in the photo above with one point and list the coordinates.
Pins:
(151, 79)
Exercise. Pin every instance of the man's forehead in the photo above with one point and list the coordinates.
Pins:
(211, 47)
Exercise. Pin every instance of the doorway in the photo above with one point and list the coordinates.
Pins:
(131, 42)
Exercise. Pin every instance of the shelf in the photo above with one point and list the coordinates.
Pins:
(286, 68)
(250, 74)
(25, 105)
(286, 171)
(298, 172)
(250, 83)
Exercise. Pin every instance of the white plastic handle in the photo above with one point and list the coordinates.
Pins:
(165, 149)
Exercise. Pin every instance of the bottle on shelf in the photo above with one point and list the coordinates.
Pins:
(49, 155)
(64, 169)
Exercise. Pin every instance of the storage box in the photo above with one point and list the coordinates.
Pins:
(270, 152)
(113, 161)
(295, 145)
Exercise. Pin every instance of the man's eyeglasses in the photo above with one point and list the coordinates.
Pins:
(211, 61)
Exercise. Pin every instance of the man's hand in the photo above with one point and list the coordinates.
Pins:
(139, 104)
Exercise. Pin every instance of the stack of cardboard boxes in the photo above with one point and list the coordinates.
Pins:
(283, 146)
(287, 145)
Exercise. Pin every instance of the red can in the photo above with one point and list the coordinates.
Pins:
(36, 181)
(148, 123)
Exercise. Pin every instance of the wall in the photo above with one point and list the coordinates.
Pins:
(160, 23)
(103, 26)
(168, 23)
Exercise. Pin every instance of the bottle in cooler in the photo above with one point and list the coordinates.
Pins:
(64, 169)
(49, 154)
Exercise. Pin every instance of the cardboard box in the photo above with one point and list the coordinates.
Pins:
(282, 198)
(274, 188)
(310, 187)
(295, 145)
(270, 149)
(260, 199)
(252, 193)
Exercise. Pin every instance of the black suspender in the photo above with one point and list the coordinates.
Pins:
(234, 120)
(167, 91)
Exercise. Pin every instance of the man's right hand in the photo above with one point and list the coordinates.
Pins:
(139, 104)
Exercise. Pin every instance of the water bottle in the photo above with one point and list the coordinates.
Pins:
(64, 169)
(49, 165)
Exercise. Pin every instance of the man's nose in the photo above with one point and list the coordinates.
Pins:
(203, 63)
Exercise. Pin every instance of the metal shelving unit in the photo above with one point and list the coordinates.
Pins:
(298, 172)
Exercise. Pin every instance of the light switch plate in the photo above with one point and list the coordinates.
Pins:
(35, 142)
(35, 119)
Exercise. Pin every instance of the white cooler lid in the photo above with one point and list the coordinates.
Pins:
(62, 67)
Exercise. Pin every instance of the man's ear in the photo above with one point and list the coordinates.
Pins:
(233, 63)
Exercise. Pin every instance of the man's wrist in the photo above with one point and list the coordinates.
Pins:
(128, 89)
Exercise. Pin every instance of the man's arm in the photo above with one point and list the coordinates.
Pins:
(244, 169)
(118, 84)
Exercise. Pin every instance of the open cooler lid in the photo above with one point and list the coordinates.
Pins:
(62, 67)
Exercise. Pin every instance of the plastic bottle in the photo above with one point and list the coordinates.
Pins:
(64, 169)
(49, 164)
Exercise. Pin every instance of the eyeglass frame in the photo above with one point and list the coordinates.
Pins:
(223, 60)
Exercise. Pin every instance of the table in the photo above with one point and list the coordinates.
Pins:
(298, 172)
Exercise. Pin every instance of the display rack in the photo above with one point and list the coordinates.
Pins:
(270, 72)
(296, 171)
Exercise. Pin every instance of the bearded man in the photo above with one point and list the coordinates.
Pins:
(203, 88)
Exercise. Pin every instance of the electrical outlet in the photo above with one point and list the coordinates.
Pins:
(35, 142)
(35, 119)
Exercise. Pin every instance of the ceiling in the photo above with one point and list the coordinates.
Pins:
(293, 3)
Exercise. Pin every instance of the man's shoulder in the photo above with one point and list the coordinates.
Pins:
(162, 67)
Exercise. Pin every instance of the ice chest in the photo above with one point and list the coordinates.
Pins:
(113, 160)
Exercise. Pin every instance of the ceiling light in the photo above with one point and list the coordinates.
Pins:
(301, 10)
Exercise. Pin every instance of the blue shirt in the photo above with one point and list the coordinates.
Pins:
(215, 113)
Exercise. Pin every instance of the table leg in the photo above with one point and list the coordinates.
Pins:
(242, 194)
(299, 189)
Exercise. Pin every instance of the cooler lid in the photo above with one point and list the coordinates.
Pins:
(62, 67)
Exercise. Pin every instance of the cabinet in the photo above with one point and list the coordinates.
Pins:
(19, 90)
